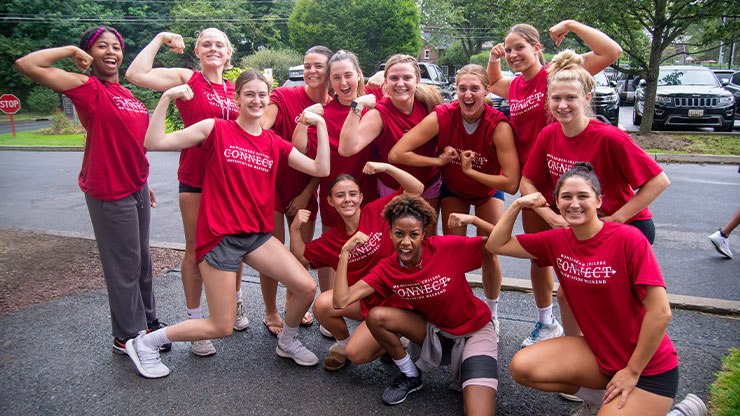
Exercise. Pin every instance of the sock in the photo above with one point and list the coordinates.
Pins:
(193, 313)
(155, 339)
(288, 335)
(493, 306)
(238, 296)
(544, 315)
(343, 342)
(723, 234)
(407, 366)
(591, 395)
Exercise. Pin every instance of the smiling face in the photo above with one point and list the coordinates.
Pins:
(345, 197)
(253, 98)
(316, 70)
(568, 102)
(577, 201)
(407, 233)
(401, 80)
(213, 49)
(107, 56)
(344, 80)
(520, 54)
(470, 94)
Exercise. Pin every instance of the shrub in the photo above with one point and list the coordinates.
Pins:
(62, 125)
(280, 60)
(42, 100)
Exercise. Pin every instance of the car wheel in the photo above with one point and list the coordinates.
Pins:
(726, 126)
(636, 119)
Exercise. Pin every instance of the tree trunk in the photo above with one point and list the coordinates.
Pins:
(653, 68)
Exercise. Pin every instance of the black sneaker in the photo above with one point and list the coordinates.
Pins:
(119, 346)
(400, 389)
(153, 326)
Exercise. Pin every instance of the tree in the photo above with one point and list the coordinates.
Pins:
(372, 29)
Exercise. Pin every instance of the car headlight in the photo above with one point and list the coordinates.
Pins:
(663, 99)
(726, 100)
(611, 98)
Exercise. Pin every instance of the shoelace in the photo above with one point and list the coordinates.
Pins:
(293, 348)
(148, 358)
(536, 331)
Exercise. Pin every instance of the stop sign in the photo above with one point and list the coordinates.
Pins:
(9, 104)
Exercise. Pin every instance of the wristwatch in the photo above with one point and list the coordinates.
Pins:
(356, 107)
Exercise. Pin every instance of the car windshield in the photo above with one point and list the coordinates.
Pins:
(687, 77)
(601, 80)
(723, 75)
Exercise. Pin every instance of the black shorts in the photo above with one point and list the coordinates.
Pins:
(445, 192)
(663, 384)
(229, 252)
(647, 227)
(187, 189)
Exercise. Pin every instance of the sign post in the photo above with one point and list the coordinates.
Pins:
(10, 104)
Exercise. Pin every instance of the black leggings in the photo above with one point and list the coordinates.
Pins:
(647, 227)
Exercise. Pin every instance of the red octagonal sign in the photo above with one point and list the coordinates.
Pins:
(9, 104)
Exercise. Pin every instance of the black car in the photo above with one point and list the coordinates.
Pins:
(605, 101)
(688, 96)
(500, 103)
(431, 74)
(733, 86)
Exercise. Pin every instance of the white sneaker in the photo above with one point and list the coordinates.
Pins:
(692, 405)
(325, 332)
(242, 322)
(570, 397)
(497, 327)
(542, 332)
(146, 360)
(203, 348)
(587, 409)
(297, 352)
(722, 244)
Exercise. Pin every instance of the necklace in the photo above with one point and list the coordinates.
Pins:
(224, 108)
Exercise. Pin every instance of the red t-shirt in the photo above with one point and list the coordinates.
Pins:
(528, 110)
(207, 102)
(438, 288)
(452, 133)
(335, 113)
(291, 102)
(395, 125)
(240, 176)
(114, 164)
(377, 92)
(325, 250)
(619, 163)
(604, 279)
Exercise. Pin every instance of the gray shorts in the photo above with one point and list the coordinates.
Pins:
(229, 252)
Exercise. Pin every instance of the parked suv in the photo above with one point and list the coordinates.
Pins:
(688, 96)
(605, 102)
(295, 76)
(500, 103)
(734, 87)
(431, 74)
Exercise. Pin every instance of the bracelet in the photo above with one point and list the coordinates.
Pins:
(493, 59)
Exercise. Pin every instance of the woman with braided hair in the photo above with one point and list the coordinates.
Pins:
(445, 310)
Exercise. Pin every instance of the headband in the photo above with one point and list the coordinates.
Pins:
(101, 30)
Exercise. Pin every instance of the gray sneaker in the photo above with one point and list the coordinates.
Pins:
(542, 332)
(587, 409)
(297, 352)
(721, 244)
(145, 359)
(203, 348)
(242, 322)
(692, 405)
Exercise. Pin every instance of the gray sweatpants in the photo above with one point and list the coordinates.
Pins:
(122, 232)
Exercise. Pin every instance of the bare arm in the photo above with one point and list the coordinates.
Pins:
(297, 246)
(318, 167)
(403, 151)
(358, 132)
(268, 119)
(501, 240)
(343, 295)
(458, 220)
(604, 50)
(652, 331)
(498, 84)
(508, 180)
(644, 196)
(300, 201)
(141, 73)
(156, 139)
(37, 66)
(408, 182)
(554, 220)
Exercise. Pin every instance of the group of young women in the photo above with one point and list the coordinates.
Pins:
(384, 163)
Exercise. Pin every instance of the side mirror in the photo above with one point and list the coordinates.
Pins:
(725, 82)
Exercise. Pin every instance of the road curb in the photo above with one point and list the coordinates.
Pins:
(708, 305)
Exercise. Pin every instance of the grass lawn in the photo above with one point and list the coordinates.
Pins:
(725, 399)
(31, 138)
(705, 144)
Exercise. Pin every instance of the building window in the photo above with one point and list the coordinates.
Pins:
(426, 53)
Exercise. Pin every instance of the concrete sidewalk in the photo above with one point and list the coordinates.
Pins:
(56, 359)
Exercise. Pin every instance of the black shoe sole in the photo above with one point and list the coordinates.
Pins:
(165, 347)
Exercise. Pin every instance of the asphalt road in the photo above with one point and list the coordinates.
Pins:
(26, 125)
(625, 121)
(40, 192)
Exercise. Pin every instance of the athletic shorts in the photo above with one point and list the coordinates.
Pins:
(647, 227)
(229, 252)
(187, 189)
(663, 384)
(445, 192)
(430, 192)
